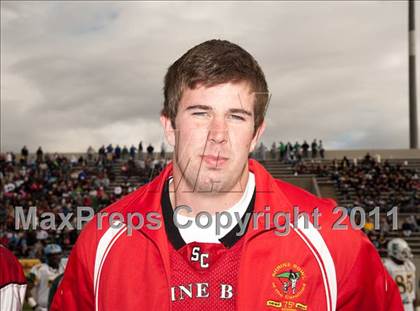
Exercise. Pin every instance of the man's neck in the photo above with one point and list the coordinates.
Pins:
(199, 201)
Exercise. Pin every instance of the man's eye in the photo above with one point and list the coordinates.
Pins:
(237, 117)
(202, 113)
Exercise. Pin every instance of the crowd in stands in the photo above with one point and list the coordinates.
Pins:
(288, 153)
(369, 183)
(59, 184)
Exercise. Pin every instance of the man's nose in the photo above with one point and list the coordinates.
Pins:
(218, 131)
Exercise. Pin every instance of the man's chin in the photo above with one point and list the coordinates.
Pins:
(209, 183)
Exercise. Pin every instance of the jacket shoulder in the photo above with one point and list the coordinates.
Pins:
(139, 200)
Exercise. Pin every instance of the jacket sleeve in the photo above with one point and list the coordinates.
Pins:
(75, 291)
(12, 282)
(368, 285)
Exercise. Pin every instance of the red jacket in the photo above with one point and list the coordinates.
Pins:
(12, 281)
(307, 269)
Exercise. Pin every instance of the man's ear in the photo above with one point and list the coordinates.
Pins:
(168, 130)
(257, 136)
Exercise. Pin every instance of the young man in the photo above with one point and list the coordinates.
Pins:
(43, 275)
(215, 99)
(400, 266)
(12, 281)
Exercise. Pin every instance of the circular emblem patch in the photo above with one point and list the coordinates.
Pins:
(289, 280)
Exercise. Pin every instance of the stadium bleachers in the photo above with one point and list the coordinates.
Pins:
(128, 174)
(322, 184)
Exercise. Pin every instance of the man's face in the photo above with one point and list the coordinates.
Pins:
(214, 134)
(54, 260)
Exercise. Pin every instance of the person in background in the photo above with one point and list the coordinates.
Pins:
(42, 275)
(321, 150)
(305, 148)
(39, 155)
(402, 269)
(124, 153)
(133, 152)
(141, 150)
(282, 151)
(24, 154)
(118, 152)
(298, 151)
(150, 156)
(273, 151)
(314, 148)
(90, 152)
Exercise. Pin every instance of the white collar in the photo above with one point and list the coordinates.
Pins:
(209, 235)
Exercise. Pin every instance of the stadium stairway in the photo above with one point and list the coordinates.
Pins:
(320, 186)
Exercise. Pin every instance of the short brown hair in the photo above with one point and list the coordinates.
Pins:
(211, 63)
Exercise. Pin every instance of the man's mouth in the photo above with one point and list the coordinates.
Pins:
(214, 160)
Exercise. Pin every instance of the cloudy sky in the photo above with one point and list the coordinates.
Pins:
(75, 74)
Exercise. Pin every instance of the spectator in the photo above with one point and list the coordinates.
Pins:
(125, 153)
(314, 148)
(39, 155)
(150, 150)
(273, 151)
(407, 228)
(118, 152)
(369, 225)
(384, 226)
(24, 154)
(110, 152)
(282, 151)
(90, 152)
(289, 156)
(345, 163)
(305, 148)
(262, 152)
(132, 152)
(321, 150)
(101, 153)
(141, 150)
(413, 223)
(9, 157)
(297, 151)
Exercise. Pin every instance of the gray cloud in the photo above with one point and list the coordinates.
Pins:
(78, 74)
